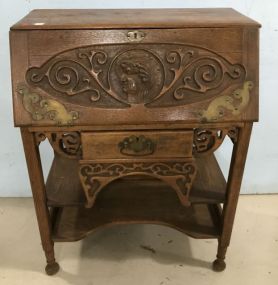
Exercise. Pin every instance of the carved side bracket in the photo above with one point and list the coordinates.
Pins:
(179, 175)
(206, 141)
(67, 144)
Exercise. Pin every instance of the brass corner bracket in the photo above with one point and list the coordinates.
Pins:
(234, 103)
(41, 108)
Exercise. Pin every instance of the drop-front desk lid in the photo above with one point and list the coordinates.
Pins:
(101, 67)
(132, 18)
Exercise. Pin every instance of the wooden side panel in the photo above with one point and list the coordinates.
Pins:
(149, 145)
(19, 65)
(251, 60)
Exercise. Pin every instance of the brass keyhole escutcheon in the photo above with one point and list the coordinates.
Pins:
(135, 36)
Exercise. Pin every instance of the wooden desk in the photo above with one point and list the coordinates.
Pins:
(134, 104)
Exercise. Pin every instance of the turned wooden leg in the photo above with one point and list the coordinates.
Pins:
(219, 263)
(233, 188)
(38, 189)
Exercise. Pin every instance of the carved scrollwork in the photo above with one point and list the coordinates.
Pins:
(117, 76)
(205, 77)
(206, 141)
(179, 175)
(40, 137)
(41, 108)
(67, 144)
(97, 59)
(233, 134)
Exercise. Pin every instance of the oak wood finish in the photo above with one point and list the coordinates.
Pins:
(39, 195)
(134, 104)
(230, 46)
(233, 188)
(177, 173)
(198, 220)
(71, 19)
(208, 187)
(116, 145)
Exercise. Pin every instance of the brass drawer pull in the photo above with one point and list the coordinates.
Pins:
(135, 36)
(135, 145)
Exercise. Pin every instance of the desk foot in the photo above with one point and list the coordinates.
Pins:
(52, 268)
(218, 265)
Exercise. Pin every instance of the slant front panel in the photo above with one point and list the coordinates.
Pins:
(130, 76)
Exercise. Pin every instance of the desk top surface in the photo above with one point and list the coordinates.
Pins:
(52, 19)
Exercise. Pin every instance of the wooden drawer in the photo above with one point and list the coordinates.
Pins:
(114, 145)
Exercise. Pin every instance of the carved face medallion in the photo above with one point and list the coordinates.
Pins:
(136, 76)
(119, 76)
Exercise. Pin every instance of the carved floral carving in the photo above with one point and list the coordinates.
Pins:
(179, 175)
(117, 76)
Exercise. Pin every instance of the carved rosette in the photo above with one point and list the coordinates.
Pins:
(206, 141)
(118, 76)
(179, 175)
(67, 144)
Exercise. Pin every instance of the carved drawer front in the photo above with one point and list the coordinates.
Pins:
(139, 144)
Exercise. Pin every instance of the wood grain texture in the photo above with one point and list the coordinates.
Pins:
(128, 127)
(134, 104)
(179, 174)
(133, 18)
(163, 144)
(208, 187)
(122, 93)
(62, 191)
(198, 221)
(233, 188)
(221, 40)
(39, 194)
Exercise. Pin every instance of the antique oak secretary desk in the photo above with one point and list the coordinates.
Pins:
(134, 104)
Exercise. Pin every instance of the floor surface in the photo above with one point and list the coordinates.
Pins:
(142, 254)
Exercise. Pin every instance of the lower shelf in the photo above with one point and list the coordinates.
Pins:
(119, 205)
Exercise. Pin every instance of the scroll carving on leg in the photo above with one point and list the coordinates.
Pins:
(179, 175)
